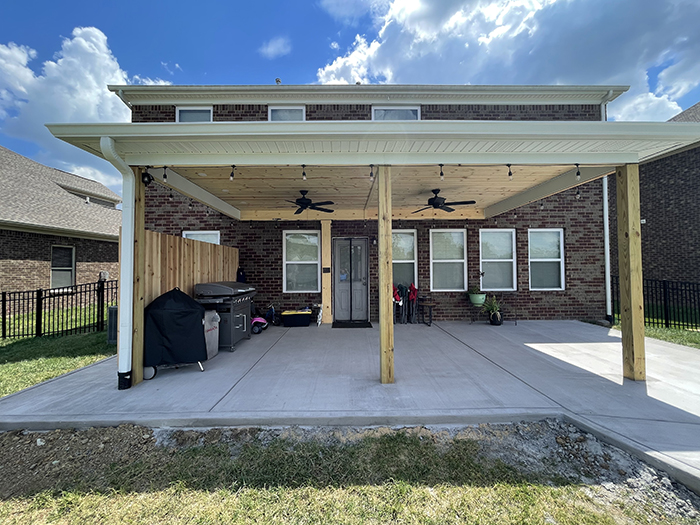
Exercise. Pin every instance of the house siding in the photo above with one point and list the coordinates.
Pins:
(239, 113)
(151, 113)
(338, 112)
(510, 112)
(260, 250)
(25, 259)
(670, 205)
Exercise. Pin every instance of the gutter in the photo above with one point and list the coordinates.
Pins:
(606, 220)
(120, 94)
(126, 262)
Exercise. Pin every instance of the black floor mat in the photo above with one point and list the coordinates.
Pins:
(352, 324)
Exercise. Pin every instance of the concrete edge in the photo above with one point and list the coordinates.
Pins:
(682, 472)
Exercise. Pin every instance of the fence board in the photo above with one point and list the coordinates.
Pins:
(178, 262)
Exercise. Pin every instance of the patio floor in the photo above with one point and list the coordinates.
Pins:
(450, 373)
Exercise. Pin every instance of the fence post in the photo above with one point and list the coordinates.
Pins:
(4, 315)
(100, 306)
(39, 311)
(667, 313)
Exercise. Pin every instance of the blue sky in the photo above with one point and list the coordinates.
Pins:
(56, 58)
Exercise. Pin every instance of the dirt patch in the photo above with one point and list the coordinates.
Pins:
(34, 461)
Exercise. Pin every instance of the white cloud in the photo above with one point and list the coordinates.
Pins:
(335, 46)
(277, 47)
(532, 42)
(70, 88)
(350, 11)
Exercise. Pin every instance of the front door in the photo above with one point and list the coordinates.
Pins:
(350, 279)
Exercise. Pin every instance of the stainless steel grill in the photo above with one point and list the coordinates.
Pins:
(233, 302)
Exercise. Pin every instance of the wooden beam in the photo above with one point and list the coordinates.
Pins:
(359, 215)
(326, 276)
(630, 260)
(386, 308)
(139, 279)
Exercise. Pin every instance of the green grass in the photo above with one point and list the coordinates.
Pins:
(672, 335)
(58, 320)
(26, 362)
(396, 478)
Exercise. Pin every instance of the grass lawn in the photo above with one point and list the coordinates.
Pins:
(672, 335)
(26, 362)
(395, 478)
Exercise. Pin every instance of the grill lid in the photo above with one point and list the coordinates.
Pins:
(223, 288)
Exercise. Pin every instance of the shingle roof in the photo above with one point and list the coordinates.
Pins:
(692, 114)
(37, 196)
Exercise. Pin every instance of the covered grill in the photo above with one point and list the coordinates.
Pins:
(233, 302)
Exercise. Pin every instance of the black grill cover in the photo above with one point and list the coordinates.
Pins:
(174, 332)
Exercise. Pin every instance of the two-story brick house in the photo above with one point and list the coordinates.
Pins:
(229, 163)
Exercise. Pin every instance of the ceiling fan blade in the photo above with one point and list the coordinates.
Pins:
(324, 203)
(422, 209)
(447, 208)
(458, 203)
(324, 210)
(299, 210)
(293, 202)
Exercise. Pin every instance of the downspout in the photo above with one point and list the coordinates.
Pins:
(606, 222)
(126, 267)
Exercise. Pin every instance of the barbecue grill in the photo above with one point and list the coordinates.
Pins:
(233, 302)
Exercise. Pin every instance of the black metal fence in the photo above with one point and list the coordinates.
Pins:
(668, 304)
(58, 311)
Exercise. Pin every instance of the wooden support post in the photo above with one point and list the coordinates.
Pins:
(326, 276)
(630, 260)
(386, 310)
(139, 279)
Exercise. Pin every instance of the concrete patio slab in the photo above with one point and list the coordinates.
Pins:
(450, 373)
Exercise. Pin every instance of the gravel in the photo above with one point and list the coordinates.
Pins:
(34, 461)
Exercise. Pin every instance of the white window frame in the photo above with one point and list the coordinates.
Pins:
(284, 261)
(302, 108)
(186, 234)
(514, 260)
(72, 268)
(415, 254)
(464, 259)
(560, 259)
(374, 108)
(197, 108)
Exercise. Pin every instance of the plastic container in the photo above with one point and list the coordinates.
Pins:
(296, 318)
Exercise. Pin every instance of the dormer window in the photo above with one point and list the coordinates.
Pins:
(193, 114)
(396, 113)
(286, 114)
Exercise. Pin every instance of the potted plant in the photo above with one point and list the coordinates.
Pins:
(476, 297)
(492, 307)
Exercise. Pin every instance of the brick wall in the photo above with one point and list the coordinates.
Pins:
(260, 245)
(165, 113)
(239, 113)
(670, 204)
(511, 112)
(25, 259)
(338, 112)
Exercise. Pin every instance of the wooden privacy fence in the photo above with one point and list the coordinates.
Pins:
(178, 262)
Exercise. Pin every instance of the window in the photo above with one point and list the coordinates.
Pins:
(396, 113)
(546, 257)
(213, 236)
(404, 254)
(301, 253)
(448, 260)
(62, 266)
(286, 114)
(497, 247)
(193, 114)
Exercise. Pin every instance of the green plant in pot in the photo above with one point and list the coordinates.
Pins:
(492, 307)
(476, 296)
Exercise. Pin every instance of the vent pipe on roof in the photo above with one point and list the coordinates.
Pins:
(126, 267)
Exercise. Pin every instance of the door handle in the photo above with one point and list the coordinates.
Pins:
(364, 281)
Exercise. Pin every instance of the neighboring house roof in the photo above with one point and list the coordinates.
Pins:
(43, 199)
(692, 114)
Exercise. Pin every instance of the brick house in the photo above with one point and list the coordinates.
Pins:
(56, 229)
(229, 163)
(670, 212)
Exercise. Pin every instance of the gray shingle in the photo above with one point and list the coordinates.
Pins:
(34, 195)
(692, 114)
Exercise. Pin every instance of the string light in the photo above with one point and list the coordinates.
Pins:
(510, 173)
(371, 172)
(541, 205)
(578, 173)
(578, 194)
(442, 175)
(233, 167)
(170, 197)
(303, 172)
(165, 174)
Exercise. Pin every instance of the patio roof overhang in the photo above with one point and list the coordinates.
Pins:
(268, 158)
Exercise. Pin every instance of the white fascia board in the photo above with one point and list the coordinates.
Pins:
(51, 230)
(368, 94)
(189, 189)
(558, 184)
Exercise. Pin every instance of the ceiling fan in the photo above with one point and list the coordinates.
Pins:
(439, 203)
(305, 203)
